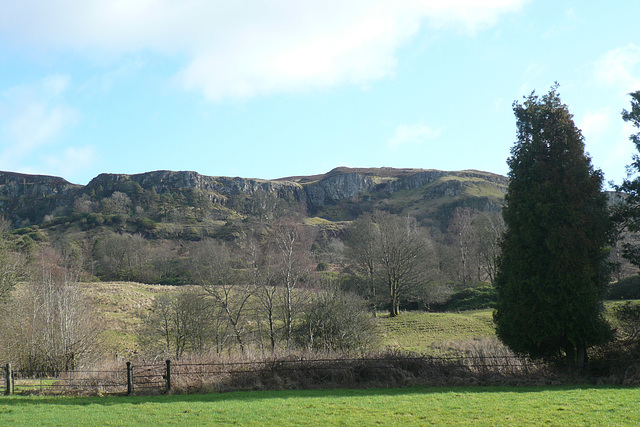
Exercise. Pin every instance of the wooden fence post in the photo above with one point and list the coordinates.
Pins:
(129, 379)
(8, 380)
(168, 375)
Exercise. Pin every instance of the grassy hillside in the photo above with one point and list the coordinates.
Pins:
(123, 305)
(433, 332)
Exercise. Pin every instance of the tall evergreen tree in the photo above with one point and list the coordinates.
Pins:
(553, 271)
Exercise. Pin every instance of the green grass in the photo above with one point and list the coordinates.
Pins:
(420, 332)
(406, 406)
(429, 333)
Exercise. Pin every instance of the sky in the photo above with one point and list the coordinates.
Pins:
(276, 88)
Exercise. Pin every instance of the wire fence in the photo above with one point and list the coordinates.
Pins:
(170, 376)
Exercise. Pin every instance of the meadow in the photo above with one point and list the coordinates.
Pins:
(122, 307)
(419, 332)
(392, 406)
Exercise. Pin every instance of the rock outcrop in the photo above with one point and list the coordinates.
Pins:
(34, 197)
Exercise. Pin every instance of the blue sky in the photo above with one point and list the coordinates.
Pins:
(269, 89)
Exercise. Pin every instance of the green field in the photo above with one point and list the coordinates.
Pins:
(407, 406)
(429, 333)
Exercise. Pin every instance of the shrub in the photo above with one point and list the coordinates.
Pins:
(472, 299)
(628, 317)
(322, 266)
(628, 288)
(145, 224)
(336, 321)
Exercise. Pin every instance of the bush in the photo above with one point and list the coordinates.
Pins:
(145, 224)
(472, 299)
(323, 266)
(628, 317)
(628, 288)
(336, 321)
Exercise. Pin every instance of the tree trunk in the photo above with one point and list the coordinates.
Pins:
(581, 357)
(570, 356)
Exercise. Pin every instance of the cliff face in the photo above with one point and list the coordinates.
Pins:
(337, 187)
(34, 197)
(30, 197)
(22, 185)
(223, 187)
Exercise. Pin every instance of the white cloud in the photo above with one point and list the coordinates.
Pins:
(31, 117)
(72, 160)
(595, 123)
(241, 48)
(620, 67)
(36, 124)
(414, 134)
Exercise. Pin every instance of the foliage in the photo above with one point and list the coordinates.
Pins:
(553, 272)
(323, 266)
(628, 317)
(472, 299)
(627, 288)
(627, 213)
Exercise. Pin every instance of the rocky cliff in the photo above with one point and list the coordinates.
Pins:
(339, 194)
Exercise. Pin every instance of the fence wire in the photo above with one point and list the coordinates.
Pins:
(158, 377)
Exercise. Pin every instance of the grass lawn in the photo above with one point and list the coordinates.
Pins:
(420, 332)
(406, 406)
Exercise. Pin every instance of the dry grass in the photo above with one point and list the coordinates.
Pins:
(122, 306)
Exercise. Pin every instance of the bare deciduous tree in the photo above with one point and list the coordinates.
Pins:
(402, 255)
(180, 321)
(463, 238)
(291, 258)
(54, 326)
(490, 227)
(362, 250)
(214, 270)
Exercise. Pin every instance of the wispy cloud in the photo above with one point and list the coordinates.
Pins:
(595, 123)
(71, 161)
(414, 134)
(620, 67)
(37, 123)
(243, 48)
(31, 118)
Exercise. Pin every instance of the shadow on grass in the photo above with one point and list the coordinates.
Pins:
(255, 396)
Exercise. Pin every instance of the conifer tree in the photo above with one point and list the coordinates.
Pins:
(553, 271)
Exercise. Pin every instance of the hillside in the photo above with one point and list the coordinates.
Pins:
(183, 201)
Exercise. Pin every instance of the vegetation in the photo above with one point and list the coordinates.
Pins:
(435, 333)
(553, 272)
(257, 269)
(627, 288)
(627, 213)
(472, 299)
(389, 406)
(336, 322)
